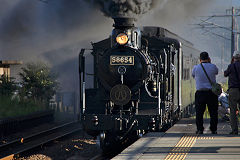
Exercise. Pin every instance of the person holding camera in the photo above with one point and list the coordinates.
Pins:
(203, 73)
(233, 74)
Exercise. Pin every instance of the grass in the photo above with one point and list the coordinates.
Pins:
(14, 108)
(225, 86)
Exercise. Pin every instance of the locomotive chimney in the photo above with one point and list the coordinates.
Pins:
(125, 26)
(123, 22)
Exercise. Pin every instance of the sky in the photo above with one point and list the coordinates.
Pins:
(235, 2)
(54, 32)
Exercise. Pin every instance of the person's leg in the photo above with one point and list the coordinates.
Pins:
(212, 103)
(233, 98)
(200, 106)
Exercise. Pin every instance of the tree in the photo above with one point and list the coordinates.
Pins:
(38, 82)
(7, 86)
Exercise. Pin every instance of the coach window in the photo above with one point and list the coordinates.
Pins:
(186, 74)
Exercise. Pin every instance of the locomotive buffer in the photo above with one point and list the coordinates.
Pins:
(181, 143)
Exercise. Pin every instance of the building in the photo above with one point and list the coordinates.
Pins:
(5, 67)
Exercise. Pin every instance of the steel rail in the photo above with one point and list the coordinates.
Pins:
(32, 141)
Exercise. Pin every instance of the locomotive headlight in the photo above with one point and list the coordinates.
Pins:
(122, 39)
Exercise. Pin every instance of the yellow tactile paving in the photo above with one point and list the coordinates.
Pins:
(181, 149)
(206, 137)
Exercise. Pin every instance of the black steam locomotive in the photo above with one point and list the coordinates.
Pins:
(142, 82)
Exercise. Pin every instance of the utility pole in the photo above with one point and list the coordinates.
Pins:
(208, 26)
(233, 35)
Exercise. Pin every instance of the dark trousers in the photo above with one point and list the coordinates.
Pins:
(234, 100)
(203, 98)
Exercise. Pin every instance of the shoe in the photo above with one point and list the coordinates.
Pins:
(199, 132)
(233, 133)
(214, 132)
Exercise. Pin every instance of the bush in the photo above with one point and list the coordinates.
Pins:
(38, 83)
(13, 107)
(38, 86)
(7, 86)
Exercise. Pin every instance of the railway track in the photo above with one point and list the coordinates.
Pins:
(9, 149)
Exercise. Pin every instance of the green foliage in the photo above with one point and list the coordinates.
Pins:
(225, 86)
(7, 86)
(38, 82)
(38, 85)
(10, 107)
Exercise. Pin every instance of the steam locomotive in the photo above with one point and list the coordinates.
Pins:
(141, 82)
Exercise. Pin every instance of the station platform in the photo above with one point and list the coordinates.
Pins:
(181, 143)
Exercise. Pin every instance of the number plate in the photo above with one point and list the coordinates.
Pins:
(121, 60)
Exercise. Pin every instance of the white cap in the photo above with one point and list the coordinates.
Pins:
(236, 54)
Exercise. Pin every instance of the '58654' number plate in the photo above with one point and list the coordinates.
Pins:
(121, 60)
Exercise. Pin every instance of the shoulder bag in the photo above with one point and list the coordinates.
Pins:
(216, 87)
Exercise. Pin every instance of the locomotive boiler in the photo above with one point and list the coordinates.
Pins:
(138, 77)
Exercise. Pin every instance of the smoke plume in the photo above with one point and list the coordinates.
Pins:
(55, 31)
(178, 17)
(133, 8)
